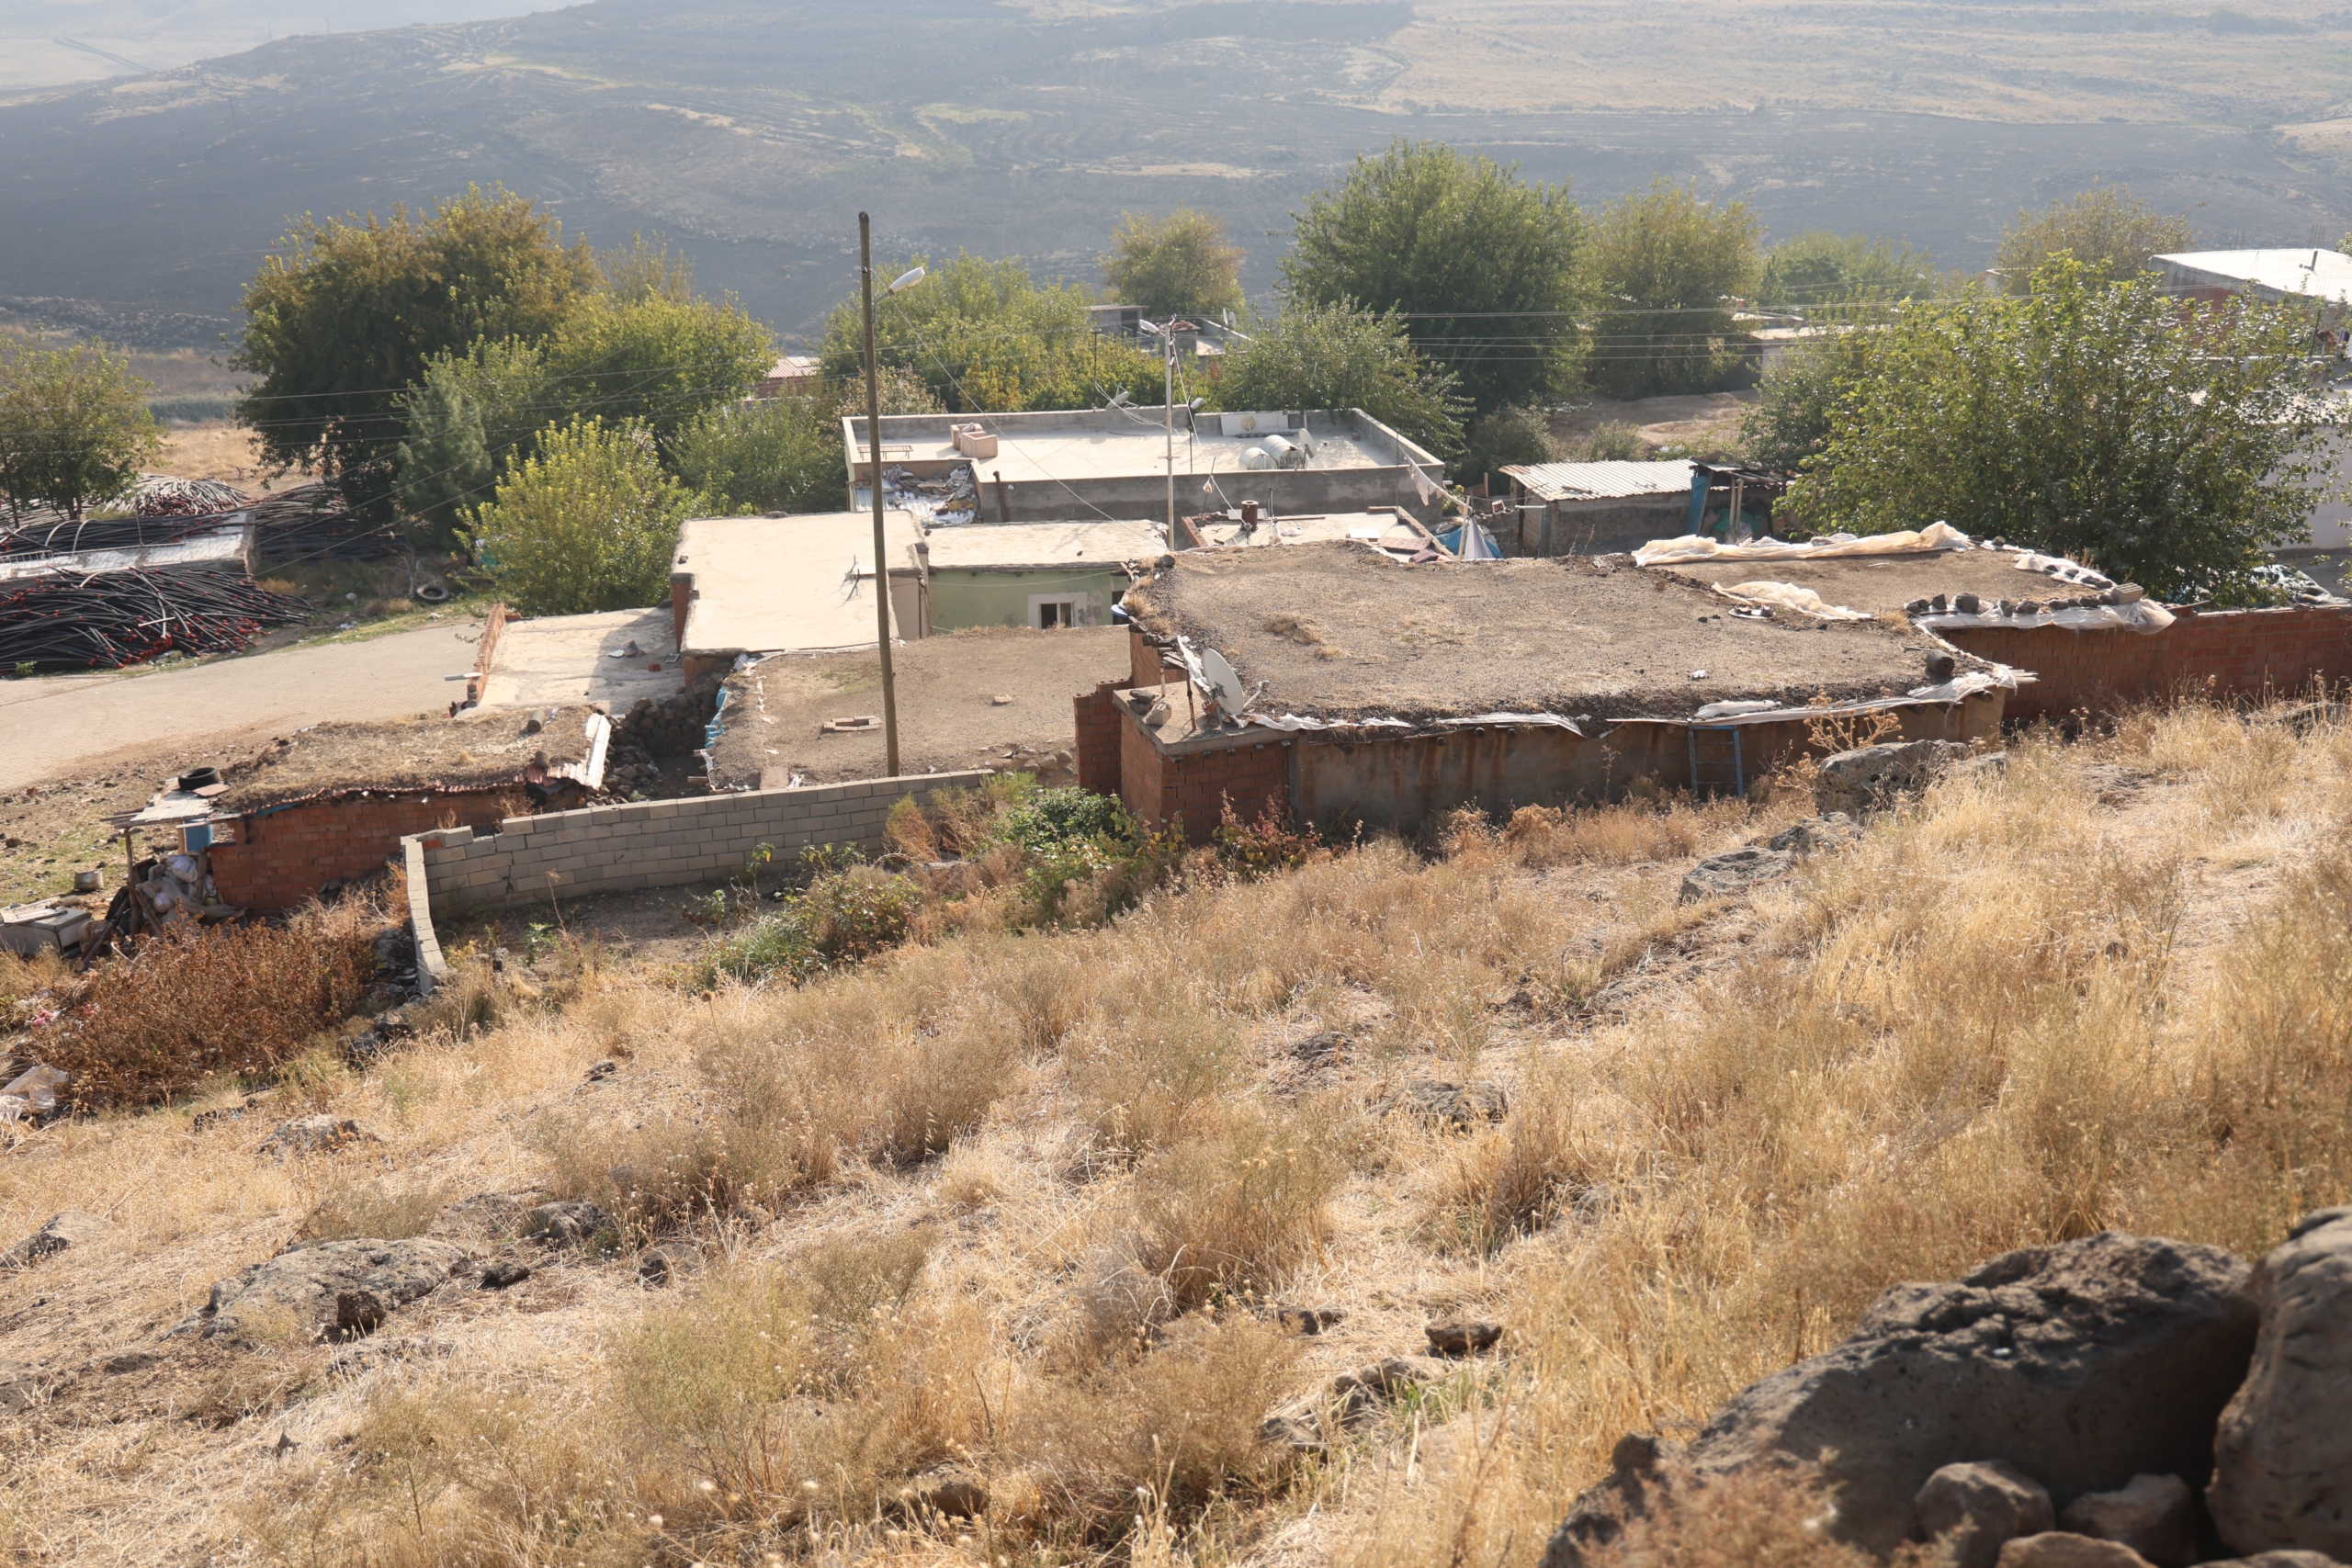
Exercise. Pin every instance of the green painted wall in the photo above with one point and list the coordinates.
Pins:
(966, 597)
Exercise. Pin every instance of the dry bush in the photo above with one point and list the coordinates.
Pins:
(1171, 1429)
(1622, 834)
(244, 999)
(1231, 1215)
(1501, 1184)
(353, 1210)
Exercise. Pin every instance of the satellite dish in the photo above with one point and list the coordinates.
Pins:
(1225, 685)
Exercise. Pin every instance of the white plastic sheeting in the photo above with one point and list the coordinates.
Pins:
(2145, 616)
(1789, 596)
(1699, 548)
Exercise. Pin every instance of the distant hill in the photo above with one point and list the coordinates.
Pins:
(751, 133)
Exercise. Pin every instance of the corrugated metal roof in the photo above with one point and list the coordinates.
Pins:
(1584, 481)
(2308, 271)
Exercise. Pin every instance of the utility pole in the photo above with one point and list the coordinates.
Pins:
(881, 548)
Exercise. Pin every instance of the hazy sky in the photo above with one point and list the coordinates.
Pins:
(53, 43)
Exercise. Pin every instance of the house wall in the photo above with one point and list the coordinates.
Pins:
(2232, 655)
(658, 843)
(1099, 723)
(1604, 527)
(282, 858)
(1407, 783)
(997, 596)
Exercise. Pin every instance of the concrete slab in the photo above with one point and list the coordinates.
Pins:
(552, 661)
(800, 585)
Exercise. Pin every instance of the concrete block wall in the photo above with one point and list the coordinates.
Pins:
(658, 843)
(2230, 655)
(283, 857)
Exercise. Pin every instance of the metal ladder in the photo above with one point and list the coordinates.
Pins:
(1715, 761)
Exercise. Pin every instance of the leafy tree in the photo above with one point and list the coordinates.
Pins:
(2084, 418)
(2106, 228)
(986, 337)
(1481, 268)
(588, 521)
(344, 316)
(1671, 269)
(1182, 265)
(775, 455)
(73, 427)
(445, 467)
(1339, 356)
(1506, 438)
(1831, 277)
(657, 358)
(1792, 416)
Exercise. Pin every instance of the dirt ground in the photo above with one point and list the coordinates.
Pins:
(1700, 421)
(949, 717)
(1341, 632)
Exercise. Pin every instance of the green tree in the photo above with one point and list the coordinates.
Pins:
(1792, 416)
(1341, 356)
(773, 454)
(445, 467)
(73, 427)
(2084, 418)
(344, 316)
(1482, 267)
(987, 338)
(657, 358)
(1508, 437)
(2106, 228)
(1182, 265)
(1832, 278)
(588, 521)
(1671, 269)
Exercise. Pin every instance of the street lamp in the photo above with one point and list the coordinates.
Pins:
(874, 438)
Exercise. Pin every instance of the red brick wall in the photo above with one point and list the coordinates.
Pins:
(1100, 718)
(2225, 655)
(1143, 660)
(285, 857)
(1198, 785)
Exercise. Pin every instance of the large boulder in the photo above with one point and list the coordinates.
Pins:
(331, 1286)
(2083, 1365)
(1735, 872)
(1875, 778)
(2153, 1516)
(2282, 1458)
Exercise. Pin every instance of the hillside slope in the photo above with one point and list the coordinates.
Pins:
(1015, 1214)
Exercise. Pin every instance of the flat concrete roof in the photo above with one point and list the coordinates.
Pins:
(2306, 272)
(1341, 632)
(1011, 546)
(801, 583)
(1376, 527)
(552, 661)
(1096, 444)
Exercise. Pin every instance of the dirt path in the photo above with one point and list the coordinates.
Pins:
(52, 725)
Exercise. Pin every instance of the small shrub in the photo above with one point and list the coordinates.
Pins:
(352, 1210)
(1614, 442)
(1264, 845)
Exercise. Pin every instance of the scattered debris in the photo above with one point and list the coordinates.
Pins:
(32, 1092)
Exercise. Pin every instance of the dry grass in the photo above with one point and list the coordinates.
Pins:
(1014, 1204)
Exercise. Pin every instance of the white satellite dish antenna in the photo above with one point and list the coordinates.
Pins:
(1225, 683)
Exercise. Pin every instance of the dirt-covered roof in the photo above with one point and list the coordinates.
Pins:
(1339, 632)
(484, 751)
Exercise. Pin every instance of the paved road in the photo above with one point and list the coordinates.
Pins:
(48, 725)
